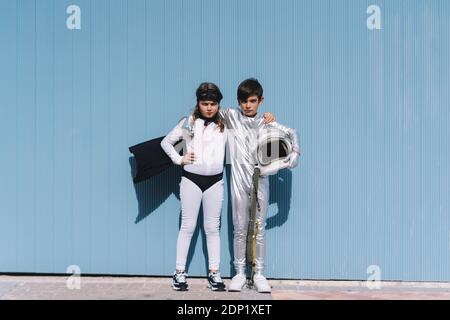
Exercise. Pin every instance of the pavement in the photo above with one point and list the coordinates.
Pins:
(25, 287)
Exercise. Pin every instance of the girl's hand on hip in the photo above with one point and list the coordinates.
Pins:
(189, 158)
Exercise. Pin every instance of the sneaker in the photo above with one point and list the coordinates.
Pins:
(261, 284)
(237, 282)
(179, 282)
(215, 282)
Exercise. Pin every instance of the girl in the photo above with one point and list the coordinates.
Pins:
(201, 182)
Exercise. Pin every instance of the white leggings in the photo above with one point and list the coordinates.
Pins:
(191, 198)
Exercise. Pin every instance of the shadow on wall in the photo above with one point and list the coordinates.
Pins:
(281, 194)
(153, 192)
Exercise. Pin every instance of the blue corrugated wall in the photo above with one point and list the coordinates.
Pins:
(371, 108)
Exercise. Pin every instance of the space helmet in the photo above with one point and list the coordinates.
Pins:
(274, 151)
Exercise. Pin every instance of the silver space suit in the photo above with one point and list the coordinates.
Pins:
(243, 136)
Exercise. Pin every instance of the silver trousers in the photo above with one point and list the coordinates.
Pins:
(240, 200)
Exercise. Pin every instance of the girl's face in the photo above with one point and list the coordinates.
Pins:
(208, 109)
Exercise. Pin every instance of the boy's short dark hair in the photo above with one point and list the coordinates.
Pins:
(249, 87)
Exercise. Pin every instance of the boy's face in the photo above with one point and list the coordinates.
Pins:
(251, 105)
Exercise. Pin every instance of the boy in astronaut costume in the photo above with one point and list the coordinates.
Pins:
(244, 128)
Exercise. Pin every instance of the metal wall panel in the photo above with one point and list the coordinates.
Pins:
(371, 108)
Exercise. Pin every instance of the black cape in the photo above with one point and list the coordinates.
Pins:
(151, 159)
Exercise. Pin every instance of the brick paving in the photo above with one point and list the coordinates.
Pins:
(151, 288)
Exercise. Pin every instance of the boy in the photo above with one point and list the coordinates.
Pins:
(244, 126)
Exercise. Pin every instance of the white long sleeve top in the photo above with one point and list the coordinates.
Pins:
(206, 142)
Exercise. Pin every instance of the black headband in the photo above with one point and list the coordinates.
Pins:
(209, 96)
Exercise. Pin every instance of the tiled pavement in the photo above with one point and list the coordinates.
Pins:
(125, 288)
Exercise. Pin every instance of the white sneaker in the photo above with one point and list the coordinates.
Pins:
(261, 284)
(215, 282)
(179, 282)
(237, 282)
